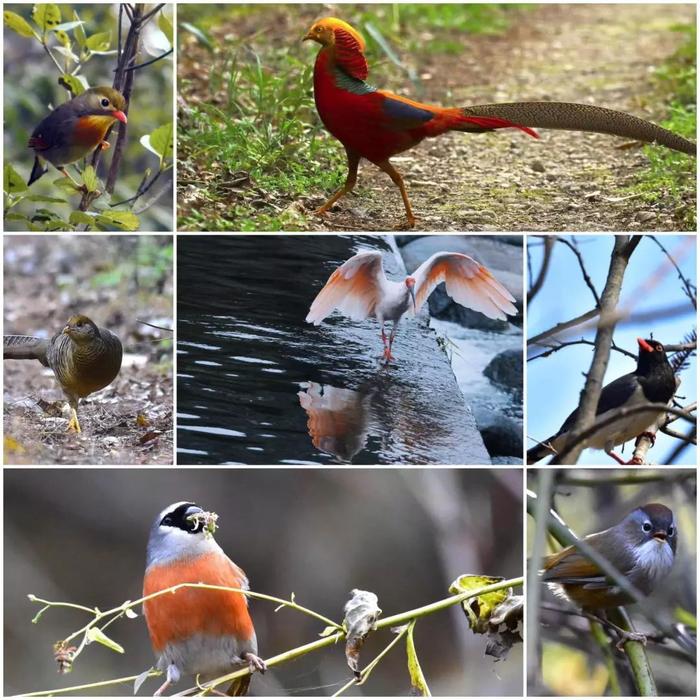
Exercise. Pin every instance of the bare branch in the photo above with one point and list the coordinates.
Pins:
(547, 255)
(586, 277)
(623, 248)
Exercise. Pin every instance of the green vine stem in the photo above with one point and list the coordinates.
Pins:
(331, 637)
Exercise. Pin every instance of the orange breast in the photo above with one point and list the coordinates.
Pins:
(91, 130)
(177, 616)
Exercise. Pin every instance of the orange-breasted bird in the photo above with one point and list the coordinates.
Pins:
(75, 128)
(196, 631)
(377, 124)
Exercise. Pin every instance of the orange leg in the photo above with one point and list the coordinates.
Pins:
(104, 145)
(350, 181)
(396, 178)
(68, 175)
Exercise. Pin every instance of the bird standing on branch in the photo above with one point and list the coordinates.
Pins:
(652, 382)
(360, 289)
(75, 128)
(377, 124)
(196, 631)
(642, 548)
(84, 358)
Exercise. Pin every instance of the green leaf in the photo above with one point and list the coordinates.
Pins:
(66, 51)
(12, 216)
(419, 686)
(160, 141)
(124, 220)
(46, 16)
(67, 26)
(78, 218)
(79, 32)
(18, 24)
(479, 608)
(13, 181)
(99, 42)
(165, 26)
(95, 634)
(199, 34)
(66, 184)
(129, 612)
(44, 198)
(76, 84)
(90, 178)
(328, 631)
(64, 39)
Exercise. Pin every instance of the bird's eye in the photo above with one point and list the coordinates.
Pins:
(318, 30)
(79, 324)
(671, 531)
(167, 520)
(647, 526)
(104, 102)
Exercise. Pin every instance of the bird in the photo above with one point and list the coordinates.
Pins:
(74, 129)
(360, 289)
(652, 382)
(83, 356)
(377, 124)
(642, 547)
(196, 631)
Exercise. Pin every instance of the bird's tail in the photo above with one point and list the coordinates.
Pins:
(471, 122)
(37, 171)
(579, 117)
(24, 347)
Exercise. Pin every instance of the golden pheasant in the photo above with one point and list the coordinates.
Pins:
(377, 124)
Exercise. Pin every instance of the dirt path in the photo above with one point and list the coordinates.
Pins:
(566, 181)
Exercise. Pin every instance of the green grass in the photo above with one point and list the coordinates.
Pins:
(264, 124)
(671, 176)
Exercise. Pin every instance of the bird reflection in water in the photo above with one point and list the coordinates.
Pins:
(338, 418)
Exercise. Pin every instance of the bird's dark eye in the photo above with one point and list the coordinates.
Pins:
(104, 102)
(647, 526)
(79, 324)
(167, 520)
(671, 531)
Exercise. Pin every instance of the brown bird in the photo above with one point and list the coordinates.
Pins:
(84, 358)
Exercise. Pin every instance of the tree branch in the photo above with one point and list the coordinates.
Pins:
(547, 255)
(623, 248)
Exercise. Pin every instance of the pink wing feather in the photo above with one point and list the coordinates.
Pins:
(354, 289)
(467, 282)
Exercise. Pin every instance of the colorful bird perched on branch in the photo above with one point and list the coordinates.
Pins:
(75, 128)
(377, 124)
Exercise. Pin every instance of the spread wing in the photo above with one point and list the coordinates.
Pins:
(354, 289)
(466, 281)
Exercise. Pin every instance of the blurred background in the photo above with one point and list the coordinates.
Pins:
(31, 91)
(117, 281)
(593, 500)
(80, 536)
(659, 305)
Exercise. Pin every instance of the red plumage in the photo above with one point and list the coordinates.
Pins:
(375, 124)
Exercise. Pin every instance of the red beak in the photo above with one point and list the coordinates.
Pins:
(644, 345)
(118, 114)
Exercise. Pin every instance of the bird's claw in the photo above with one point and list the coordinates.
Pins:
(105, 145)
(255, 663)
(650, 436)
(73, 423)
(626, 636)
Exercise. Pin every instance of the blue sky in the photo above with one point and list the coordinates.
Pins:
(554, 382)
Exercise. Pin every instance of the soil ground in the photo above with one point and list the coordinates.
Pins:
(131, 420)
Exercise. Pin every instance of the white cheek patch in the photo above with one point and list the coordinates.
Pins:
(655, 558)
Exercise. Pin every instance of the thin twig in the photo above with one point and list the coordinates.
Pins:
(586, 277)
(546, 257)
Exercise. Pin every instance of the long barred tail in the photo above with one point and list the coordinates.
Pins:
(579, 117)
(24, 347)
